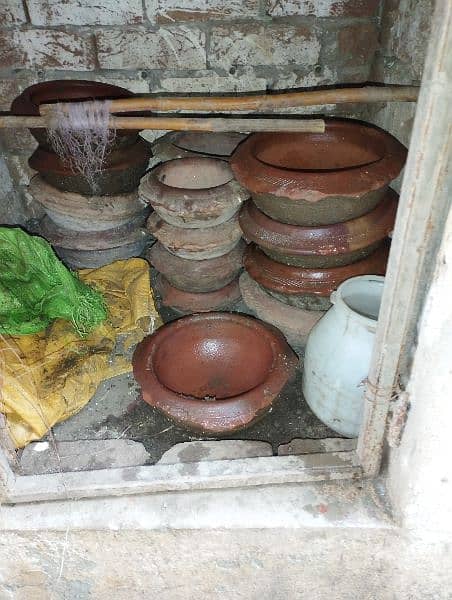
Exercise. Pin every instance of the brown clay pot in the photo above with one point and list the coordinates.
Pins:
(324, 245)
(319, 178)
(180, 144)
(294, 323)
(309, 289)
(65, 90)
(91, 259)
(197, 275)
(193, 192)
(85, 213)
(129, 233)
(191, 302)
(196, 244)
(121, 174)
(214, 373)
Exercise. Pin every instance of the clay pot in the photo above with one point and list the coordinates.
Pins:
(319, 178)
(85, 213)
(193, 192)
(196, 244)
(121, 174)
(180, 144)
(94, 240)
(321, 246)
(91, 259)
(294, 323)
(197, 275)
(65, 90)
(309, 289)
(191, 302)
(214, 373)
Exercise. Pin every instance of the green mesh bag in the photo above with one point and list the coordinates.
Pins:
(36, 288)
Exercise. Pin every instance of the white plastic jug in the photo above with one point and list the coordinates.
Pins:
(338, 354)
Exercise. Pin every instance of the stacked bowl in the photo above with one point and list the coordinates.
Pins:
(320, 213)
(199, 250)
(88, 226)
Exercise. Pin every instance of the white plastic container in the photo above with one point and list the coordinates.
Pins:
(338, 354)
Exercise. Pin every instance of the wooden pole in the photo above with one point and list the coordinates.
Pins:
(185, 123)
(260, 102)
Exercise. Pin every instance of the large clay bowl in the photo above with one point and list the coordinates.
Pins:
(193, 192)
(121, 174)
(295, 323)
(197, 275)
(324, 245)
(67, 90)
(186, 303)
(319, 178)
(309, 289)
(91, 259)
(196, 244)
(214, 373)
(94, 240)
(85, 213)
(180, 144)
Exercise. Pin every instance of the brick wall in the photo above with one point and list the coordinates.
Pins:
(178, 46)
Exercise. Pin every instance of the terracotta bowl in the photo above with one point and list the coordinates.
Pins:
(193, 192)
(322, 246)
(295, 323)
(66, 90)
(196, 244)
(186, 303)
(309, 289)
(180, 144)
(319, 178)
(91, 259)
(85, 213)
(213, 373)
(121, 174)
(197, 275)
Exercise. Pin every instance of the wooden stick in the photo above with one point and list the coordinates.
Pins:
(186, 123)
(260, 102)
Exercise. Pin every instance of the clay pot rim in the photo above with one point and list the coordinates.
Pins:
(202, 161)
(313, 185)
(320, 240)
(44, 161)
(209, 415)
(185, 301)
(292, 280)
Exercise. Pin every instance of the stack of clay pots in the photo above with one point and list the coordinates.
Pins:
(87, 226)
(320, 213)
(199, 251)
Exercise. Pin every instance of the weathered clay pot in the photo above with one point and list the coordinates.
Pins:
(193, 192)
(309, 289)
(213, 373)
(319, 179)
(294, 323)
(65, 90)
(180, 144)
(196, 244)
(131, 232)
(85, 213)
(323, 245)
(191, 302)
(197, 275)
(123, 170)
(91, 259)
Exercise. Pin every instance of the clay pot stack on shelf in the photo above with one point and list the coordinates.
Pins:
(320, 213)
(88, 227)
(199, 251)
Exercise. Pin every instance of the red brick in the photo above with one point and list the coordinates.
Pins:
(46, 49)
(12, 13)
(322, 8)
(200, 10)
(356, 44)
(87, 12)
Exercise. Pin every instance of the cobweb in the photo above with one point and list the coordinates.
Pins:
(80, 135)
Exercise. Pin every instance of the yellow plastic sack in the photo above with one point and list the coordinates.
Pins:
(47, 377)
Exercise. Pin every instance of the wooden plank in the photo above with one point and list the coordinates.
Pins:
(186, 476)
(424, 204)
